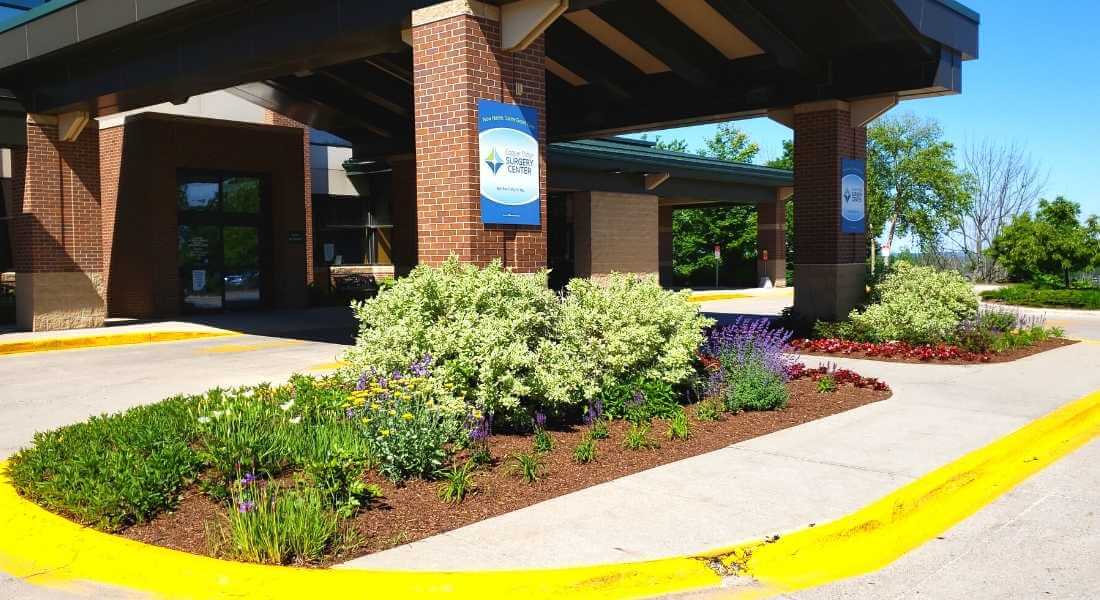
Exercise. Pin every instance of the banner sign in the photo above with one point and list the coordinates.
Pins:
(853, 207)
(509, 151)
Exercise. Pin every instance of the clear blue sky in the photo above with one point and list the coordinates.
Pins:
(1037, 82)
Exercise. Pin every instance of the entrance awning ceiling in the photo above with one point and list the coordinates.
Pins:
(612, 65)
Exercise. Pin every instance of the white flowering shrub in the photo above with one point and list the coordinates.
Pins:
(481, 329)
(919, 305)
(618, 328)
(503, 342)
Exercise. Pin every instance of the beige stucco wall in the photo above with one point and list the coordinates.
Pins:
(615, 233)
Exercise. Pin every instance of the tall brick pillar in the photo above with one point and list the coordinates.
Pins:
(58, 242)
(831, 266)
(457, 60)
(771, 235)
(274, 118)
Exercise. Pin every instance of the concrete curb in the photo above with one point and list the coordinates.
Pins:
(104, 340)
(45, 549)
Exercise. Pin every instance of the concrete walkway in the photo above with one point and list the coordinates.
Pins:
(786, 480)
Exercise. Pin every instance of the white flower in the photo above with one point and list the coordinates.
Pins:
(295, 420)
(216, 414)
(286, 405)
(204, 420)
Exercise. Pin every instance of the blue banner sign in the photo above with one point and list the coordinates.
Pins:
(509, 151)
(853, 206)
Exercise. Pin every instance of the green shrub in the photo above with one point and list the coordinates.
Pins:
(637, 438)
(679, 428)
(1031, 295)
(528, 466)
(112, 471)
(458, 482)
(244, 430)
(914, 304)
(408, 437)
(709, 409)
(268, 525)
(338, 476)
(639, 400)
(542, 442)
(617, 329)
(585, 452)
(599, 429)
(481, 327)
(826, 385)
(751, 386)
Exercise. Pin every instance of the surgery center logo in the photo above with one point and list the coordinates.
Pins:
(493, 160)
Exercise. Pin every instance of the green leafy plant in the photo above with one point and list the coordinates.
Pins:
(679, 428)
(458, 482)
(752, 386)
(709, 409)
(637, 438)
(826, 384)
(639, 400)
(528, 466)
(1033, 295)
(585, 452)
(542, 442)
(112, 471)
(599, 430)
(265, 524)
(339, 479)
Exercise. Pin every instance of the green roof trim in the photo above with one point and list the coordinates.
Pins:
(35, 13)
(641, 156)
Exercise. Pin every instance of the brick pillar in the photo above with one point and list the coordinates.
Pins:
(664, 244)
(771, 235)
(831, 266)
(613, 233)
(457, 60)
(274, 118)
(58, 240)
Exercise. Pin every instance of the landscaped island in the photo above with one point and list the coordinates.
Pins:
(471, 392)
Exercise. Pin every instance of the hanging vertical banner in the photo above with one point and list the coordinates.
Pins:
(853, 206)
(509, 151)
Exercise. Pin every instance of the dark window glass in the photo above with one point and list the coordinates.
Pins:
(242, 247)
(198, 195)
(241, 195)
(199, 245)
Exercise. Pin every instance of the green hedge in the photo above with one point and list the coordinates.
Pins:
(1029, 295)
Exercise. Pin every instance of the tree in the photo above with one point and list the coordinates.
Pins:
(1053, 243)
(913, 185)
(696, 230)
(1005, 183)
(786, 161)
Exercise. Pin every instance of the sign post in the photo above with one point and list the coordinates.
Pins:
(717, 262)
(509, 150)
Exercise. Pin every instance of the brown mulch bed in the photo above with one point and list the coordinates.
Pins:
(998, 357)
(413, 511)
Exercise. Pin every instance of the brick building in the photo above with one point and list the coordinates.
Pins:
(222, 154)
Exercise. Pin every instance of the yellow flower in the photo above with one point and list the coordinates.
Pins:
(385, 433)
(375, 406)
(407, 416)
(393, 412)
(365, 420)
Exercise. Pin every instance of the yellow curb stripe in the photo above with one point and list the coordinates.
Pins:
(329, 366)
(45, 549)
(883, 531)
(105, 340)
(713, 297)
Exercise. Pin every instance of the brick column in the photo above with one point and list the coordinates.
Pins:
(771, 235)
(829, 277)
(274, 118)
(613, 233)
(664, 244)
(58, 240)
(457, 60)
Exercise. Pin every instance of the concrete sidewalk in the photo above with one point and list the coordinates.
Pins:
(787, 480)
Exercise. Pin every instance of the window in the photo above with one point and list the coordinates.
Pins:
(353, 230)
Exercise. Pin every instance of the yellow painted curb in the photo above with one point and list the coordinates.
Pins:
(713, 297)
(45, 549)
(103, 340)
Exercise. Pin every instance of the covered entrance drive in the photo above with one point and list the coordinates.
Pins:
(402, 80)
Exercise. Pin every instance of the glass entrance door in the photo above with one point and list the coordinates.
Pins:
(221, 238)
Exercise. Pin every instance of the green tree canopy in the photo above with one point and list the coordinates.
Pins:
(913, 185)
(1052, 243)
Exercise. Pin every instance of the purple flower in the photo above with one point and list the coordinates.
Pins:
(639, 398)
(420, 368)
(479, 429)
(245, 506)
(248, 479)
(751, 339)
(594, 412)
(540, 420)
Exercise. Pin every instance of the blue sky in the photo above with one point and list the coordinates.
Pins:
(1037, 82)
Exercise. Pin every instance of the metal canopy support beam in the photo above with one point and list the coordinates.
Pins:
(524, 21)
(653, 180)
(866, 110)
(746, 17)
(71, 124)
